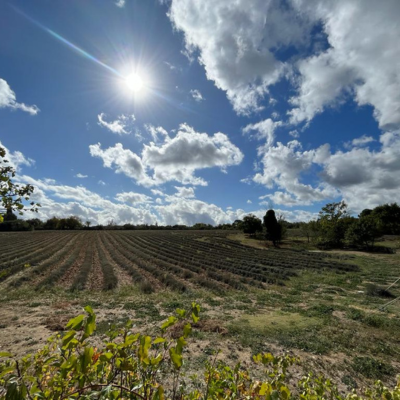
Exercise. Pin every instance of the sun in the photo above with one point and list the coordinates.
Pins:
(134, 82)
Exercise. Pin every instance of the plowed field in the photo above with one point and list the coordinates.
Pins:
(179, 260)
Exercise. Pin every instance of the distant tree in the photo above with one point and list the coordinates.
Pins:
(12, 195)
(51, 223)
(251, 224)
(363, 231)
(88, 223)
(35, 223)
(388, 218)
(334, 220)
(237, 224)
(202, 226)
(273, 227)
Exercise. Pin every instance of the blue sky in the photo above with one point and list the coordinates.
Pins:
(241, 106)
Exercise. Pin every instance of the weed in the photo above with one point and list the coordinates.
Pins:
(376, 291)
(371, 368)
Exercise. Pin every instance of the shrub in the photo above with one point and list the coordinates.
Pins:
(136, 366)
(374, 290)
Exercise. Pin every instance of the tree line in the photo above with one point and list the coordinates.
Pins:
(334, 227)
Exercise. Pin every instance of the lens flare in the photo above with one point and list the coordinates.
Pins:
(68, 43)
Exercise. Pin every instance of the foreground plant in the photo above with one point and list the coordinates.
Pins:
(136, 366)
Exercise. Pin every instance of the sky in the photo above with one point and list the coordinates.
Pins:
(186, 111)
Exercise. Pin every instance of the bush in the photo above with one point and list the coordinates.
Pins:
(371, 368)
(374, 290)
(136, 366)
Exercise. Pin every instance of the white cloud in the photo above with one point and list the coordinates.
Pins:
(197, 95)
(8, 99)
(364, 178)
(102, 183)
(235, 43)
(132, 197)
(176, 159)
(282, 168)
(172, 67)
(120, 3)
(363, 60)
(81, 176)
(158, 133)
(120, 126)
(294, 134)
(264, 130)
(363, 140)
(249, 202)
(16, 159)
(157, 192)
(122, 161)
(184, 192)
(85, 204)
(242, 44)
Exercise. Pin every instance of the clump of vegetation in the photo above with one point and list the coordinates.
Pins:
(371, 368)
(133, 365)
(374, 290)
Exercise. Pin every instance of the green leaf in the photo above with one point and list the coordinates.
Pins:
(145, 343)
(159, 340)
(131, 339)
(169, 322)
(68, 337)
(90, 325)
(86, 358)
(105, 357)
(175, 358)
(6, 371)
(181, 312)
(180, 344)
(76, 323)
(187, 330)
(5, 354)
(159, 394)
(89, 310)
(195, 312)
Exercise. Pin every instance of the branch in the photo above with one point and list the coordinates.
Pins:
(102, 385)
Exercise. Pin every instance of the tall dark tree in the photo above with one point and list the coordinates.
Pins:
(273, 227)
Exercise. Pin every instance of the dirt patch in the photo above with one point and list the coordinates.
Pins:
(210, 325)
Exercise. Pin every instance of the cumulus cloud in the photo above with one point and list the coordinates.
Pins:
(345, 49)
(185, 192)
(120, 126)
(235, 43)
(179, 157)
(197, 95)
(363, 177)
(133, 198)
(16, 159)
(158, 133)
(263, 130)
(8, 99)
(64, 200)
(176, 159)
(363, 60)
(122, 161)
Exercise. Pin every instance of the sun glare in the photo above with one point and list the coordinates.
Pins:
(134, 82)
